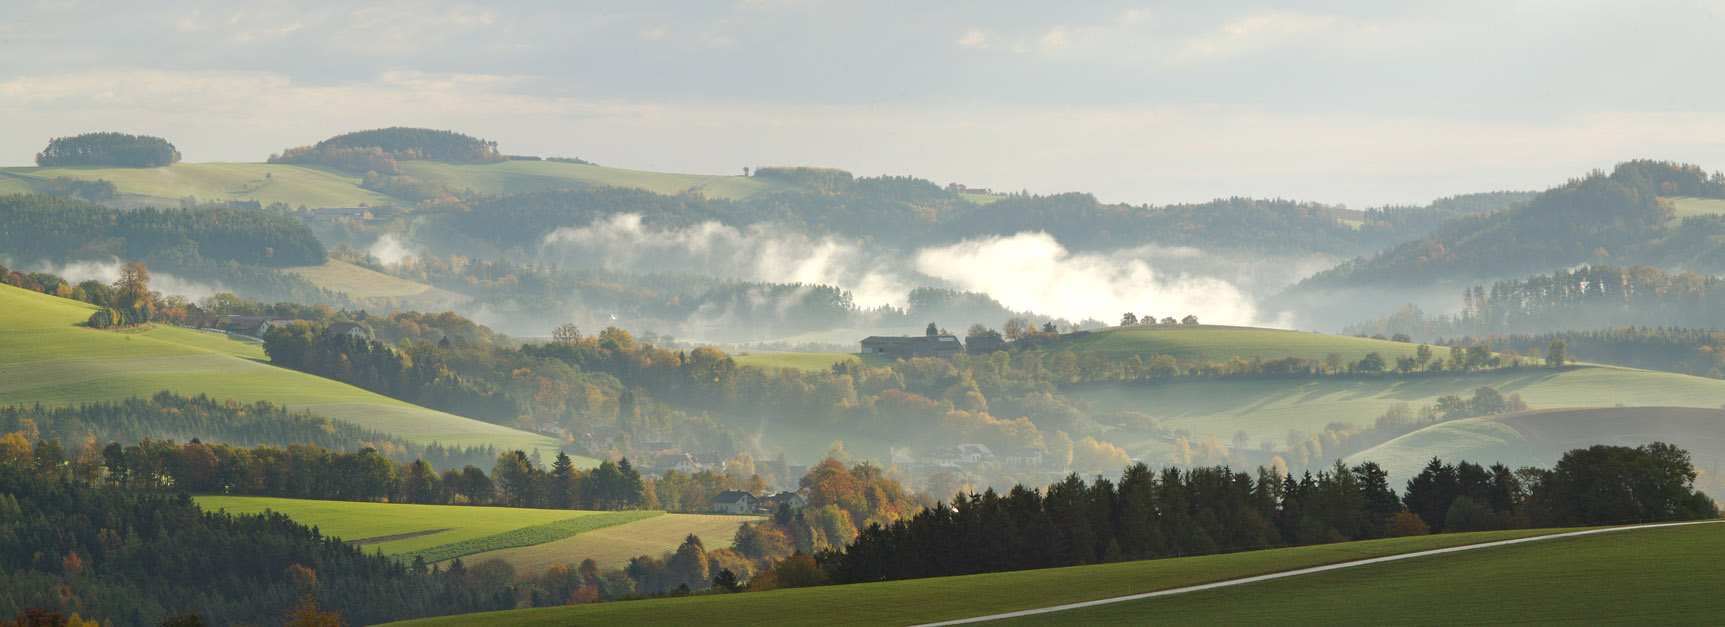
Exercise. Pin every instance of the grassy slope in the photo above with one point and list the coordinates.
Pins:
(359, 521)
(1687, 206)
(612, 547)
(922, 600)
(1655, 576)
(1540, 437)
(1221, 343)
(1268, 409)
(45, 358)
(294, 185)
(521, 176)
(376, 287)
(800, 361)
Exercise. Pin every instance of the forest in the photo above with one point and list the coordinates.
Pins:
(109, 149)
(378, 150)
(1210, 510)
(137, 558)
(1622, 217)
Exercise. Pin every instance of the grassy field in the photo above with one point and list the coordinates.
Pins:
(800, 361)
(924, 600)
(1664, 576)
(1687, 206)
(612, 547)
(1219, 343)
(1540, 437)
(1268, 408)
(439, 532)
(372, 287)
(263, 182)
(521, 176)
(46, 358)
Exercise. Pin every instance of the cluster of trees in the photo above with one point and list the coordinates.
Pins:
(114, 149)
(379, 150)
(1342, 439)
(1413, 221)
(118, 556)
(235, 248)
(419, 373)
(1128, 319)
(1589, 297)
(1672, 349)
(1620, 217)
(169, 416)
(1206, 510)
(97, 191)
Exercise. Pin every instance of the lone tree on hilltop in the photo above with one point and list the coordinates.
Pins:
(1128, 319)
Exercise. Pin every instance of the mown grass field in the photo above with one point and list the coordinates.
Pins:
(947, 598)
(46, 358)
(805, 361)
(376, 288)
(1267, 409)
(613, 547)
(1190, 343)
(521, 176)
(1540, 437)
(1688, 206)
(294, 185)
(440, 532)
(1668, 576)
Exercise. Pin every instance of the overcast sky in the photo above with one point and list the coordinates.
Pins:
(1363, 103)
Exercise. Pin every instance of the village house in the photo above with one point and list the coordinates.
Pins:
(680, 462)
(330, 214)
(349, 328)
(905, 347)
(735, 502)
(252, 326)
(984, 344)
(596, 442)
(795, 500)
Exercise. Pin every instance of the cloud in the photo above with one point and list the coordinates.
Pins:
(389, 249)
(1032, 271)
(973, 38)
(109, 272)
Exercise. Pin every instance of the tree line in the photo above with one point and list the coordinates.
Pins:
(1208, 510)
(124, 557)
(379, 150)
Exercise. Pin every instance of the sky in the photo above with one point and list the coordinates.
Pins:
(1357, 103)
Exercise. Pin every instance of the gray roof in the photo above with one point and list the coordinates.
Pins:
(732, 496)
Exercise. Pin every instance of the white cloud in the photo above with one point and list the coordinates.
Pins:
(974, 38)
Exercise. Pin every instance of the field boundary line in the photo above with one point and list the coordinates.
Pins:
(1295, 573)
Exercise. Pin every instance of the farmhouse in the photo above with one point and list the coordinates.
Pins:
(735, 502)
(795, 500)
(349, 328)
(984, 344)
(680, 462)
(252, 326)
(329, 214)
(597, 441)
(904, 347)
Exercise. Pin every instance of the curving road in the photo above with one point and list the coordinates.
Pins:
(1302, 571)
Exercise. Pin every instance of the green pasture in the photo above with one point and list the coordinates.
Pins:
(946, 598)
(1190, 343)
(1266, 409)
(1540, 437)
(1688, 206)
(613, 547)
(522, 176)
(1667, 576)
(438, 532)
(263, 182)
(46, 358)
(800, 361)
(344, 277)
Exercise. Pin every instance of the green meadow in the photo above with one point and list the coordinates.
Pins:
(47, 357)
(522, 176)
(1688, 206)
(614, 546)
(1193, 343)
(947, 598)
(263, 182)
(1667, 576)
(437, 532)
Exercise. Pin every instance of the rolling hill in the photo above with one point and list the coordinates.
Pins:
(1196, 343)
(613, 547)
(1267, 409)
(372, 288)
(47, 356)
(1539, 437)
(442, 532)
(1530, 581)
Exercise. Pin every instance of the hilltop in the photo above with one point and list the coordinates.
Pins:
(47, 356)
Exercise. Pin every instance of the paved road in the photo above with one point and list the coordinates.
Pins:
(1302, 571)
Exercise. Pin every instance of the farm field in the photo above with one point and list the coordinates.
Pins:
(1267, 409)
(376, 287)
(1688, 206)
(438, 531)
(946, 598)
(800, 361)
(1540, 437)
(613, 547)
(1188, 343)
(263, 182)
(46, 358)
(1647, 577)
(522, 176)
